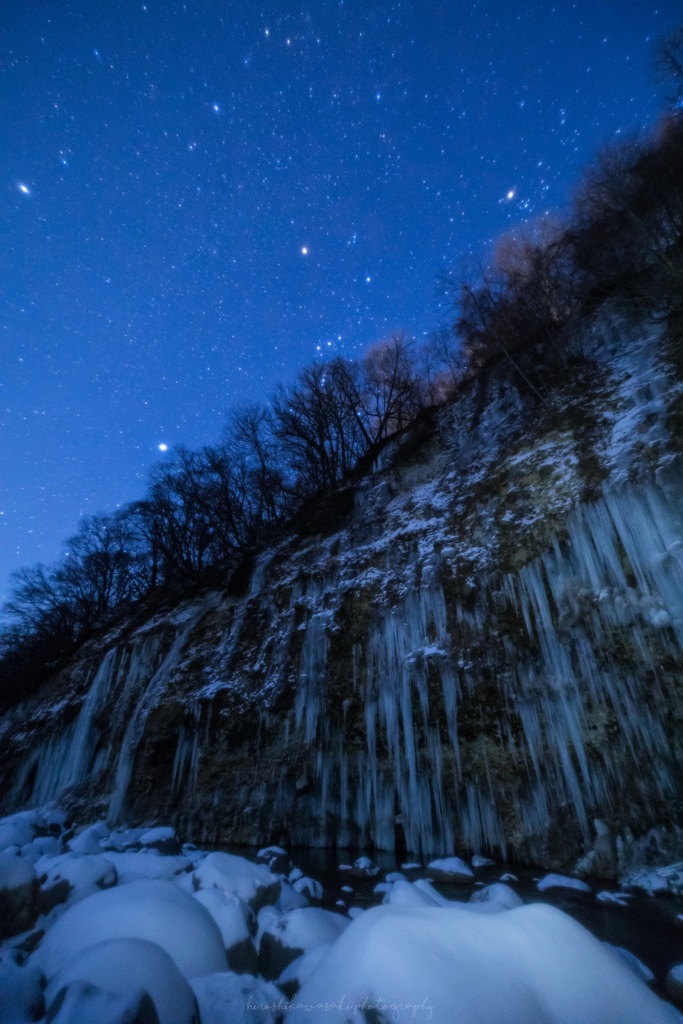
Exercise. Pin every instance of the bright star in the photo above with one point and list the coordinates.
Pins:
(511, 194)
(162, 447)
(24, 188)
(304, 250)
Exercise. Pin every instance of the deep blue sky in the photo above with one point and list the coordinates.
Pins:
(199, 197)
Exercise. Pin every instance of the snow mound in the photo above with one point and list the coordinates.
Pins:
(253, 883)
(309, 887)
(18, 829)
(88, 839)
(133, 866)
(83, 1003)
(15, 872)
(153, 836)
(230, 913)
(495, 898)
(158, 911)
(479, 861)
(533, 965)
(77, 869)
(451, 869)
(21, 992)
(237, 999)
(406, 894)
(125, 966)
(302, 929)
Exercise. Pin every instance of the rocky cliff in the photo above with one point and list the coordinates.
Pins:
(477, 646)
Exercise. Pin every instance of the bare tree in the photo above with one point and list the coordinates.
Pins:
(391, 387)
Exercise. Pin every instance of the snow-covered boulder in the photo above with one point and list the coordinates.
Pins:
(237, 999)
(553, 881)
(41, 846)
(133, 865)
(534, 965)
(124, 967)
(362, 867)
(157, 911)
(426, 887)
(18, 894)
(408, 894)
(253, 883)
(77, 870)
(122, 839)
(309, 887)
(21, 991)
(88, 839)
(282, 938)
(163, 839)
(18, 829)
(83, 1003)
(479, 861)
(450, 869)
(300, 970)
(236, 922)
(289, 898)
(276, 859)
(494, 898)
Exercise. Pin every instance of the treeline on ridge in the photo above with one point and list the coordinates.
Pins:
(526, 310)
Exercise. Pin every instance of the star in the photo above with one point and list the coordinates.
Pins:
(24, 188)
(162, 447)
(304, 250)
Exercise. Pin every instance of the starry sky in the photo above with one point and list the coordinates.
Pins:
(199, 198)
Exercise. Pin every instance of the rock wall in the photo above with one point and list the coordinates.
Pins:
(479, 646)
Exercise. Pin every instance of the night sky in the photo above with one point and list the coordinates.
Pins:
(199, 198)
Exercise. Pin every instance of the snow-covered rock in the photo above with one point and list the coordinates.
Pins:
(310, 887)
(409, 894)
(157, 911)
(532, 965)
(282, 938)
(134, 865)
(237, 999)
(236, 922)
(300, 970)
(83, 1003)
(362, 867)
(18, 829)
(124, 967)
(479, 861)
(88, 839)
(77, 870)
(18, 894)
(253, 883)
(496, 897)
(289, 898)
(161, 838)
(21, 991)
(450, 869)
(41, 846)
(554, 881)
(277, 860)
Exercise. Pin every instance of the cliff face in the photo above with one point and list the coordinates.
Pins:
(478, 646)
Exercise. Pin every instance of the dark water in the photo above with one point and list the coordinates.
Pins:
(645, 927)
